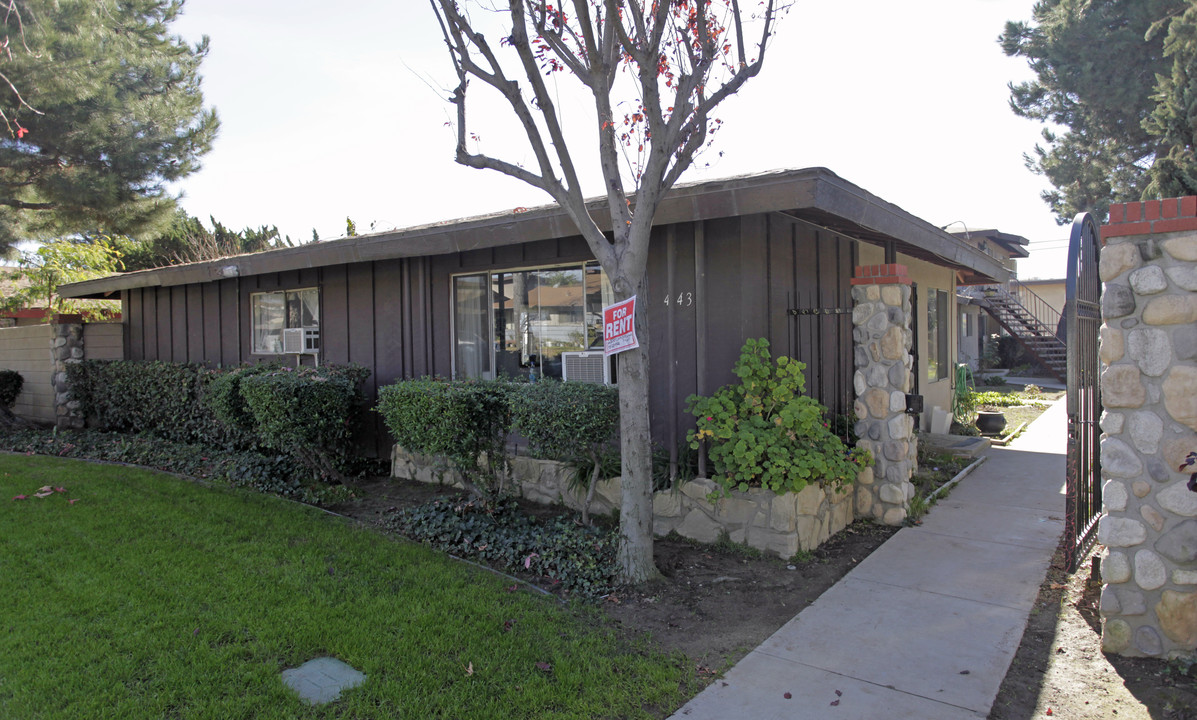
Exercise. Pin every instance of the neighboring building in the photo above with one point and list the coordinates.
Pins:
(769, 255)
(974, 325)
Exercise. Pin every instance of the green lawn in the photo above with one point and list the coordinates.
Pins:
(153, 597)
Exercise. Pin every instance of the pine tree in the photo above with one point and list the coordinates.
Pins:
(1096, 65)
(102, 109)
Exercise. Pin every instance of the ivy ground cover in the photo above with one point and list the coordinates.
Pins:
(148, 596)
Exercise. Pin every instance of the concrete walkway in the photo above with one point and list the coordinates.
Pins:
(927, 625)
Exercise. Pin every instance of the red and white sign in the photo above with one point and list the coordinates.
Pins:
(619, 327)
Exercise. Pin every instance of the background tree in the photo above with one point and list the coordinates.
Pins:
(654, 72)
(119, 113)
(1096, 66)
(64, 261)
(186, 240)
(1174, 118)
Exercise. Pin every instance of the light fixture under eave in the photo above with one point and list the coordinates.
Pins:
(230, 271)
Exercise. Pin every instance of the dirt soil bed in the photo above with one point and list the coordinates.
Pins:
(714, 603)
(1060, 671)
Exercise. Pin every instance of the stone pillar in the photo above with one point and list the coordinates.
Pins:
(881, 337)
(1149, 392)
(66, 347)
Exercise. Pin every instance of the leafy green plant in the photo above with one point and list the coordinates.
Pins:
(11, 383)
(962, 391)
(463, 421)
(571, 422)
(991, 398)
(308, 413)
(224, 398)
(162, 398)
(763, 432)
(270, 473)
(580, 560)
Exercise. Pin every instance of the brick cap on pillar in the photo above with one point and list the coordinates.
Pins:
(889, 274)
(1150, 217)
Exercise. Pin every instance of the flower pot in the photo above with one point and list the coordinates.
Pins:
(990, 423)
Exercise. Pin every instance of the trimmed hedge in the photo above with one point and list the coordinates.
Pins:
(11, 383)
(162, 398)
(464, 421)
(309, 414)
(566, 420)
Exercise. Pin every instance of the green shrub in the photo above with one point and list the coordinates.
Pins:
(10, 387)
(580, 560)
(993, 398)
(162, 398)
(464, 421)
(275, 474)
(227, 403)
(308, 413)
(764, 432)
(571, 422)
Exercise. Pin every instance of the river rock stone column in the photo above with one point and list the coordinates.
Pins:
(66, 346)
(1149, 425)
(882, 338)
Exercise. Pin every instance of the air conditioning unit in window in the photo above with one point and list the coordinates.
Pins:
(301, 341)
(591, 367)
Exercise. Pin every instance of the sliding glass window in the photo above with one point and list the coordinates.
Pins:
(530, 316)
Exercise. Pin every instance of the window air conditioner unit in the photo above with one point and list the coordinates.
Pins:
(301, 341)
(589, 367)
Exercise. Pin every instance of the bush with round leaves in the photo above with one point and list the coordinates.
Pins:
(764, 432)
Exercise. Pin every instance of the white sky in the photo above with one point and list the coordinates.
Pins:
(330, 112)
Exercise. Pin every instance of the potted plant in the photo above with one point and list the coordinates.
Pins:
(990, 420)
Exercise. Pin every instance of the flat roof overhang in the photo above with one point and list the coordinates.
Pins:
(815, 195)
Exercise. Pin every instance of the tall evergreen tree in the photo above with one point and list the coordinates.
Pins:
(1096, 64)
(1174, 118)
(102, 109)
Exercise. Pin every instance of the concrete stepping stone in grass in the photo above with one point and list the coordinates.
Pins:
(321, 680)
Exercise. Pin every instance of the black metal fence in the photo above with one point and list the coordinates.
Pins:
(1082, 318)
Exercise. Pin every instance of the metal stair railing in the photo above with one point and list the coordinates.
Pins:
(1004, 303)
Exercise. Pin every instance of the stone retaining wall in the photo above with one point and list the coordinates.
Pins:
(778, 524)
(1149, 391)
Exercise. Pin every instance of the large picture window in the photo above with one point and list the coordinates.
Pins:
(516, 323)
(274, 312)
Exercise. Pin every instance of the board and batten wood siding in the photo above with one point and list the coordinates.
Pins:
(738, 278)
(26, 349)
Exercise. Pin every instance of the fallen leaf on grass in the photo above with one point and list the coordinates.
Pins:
(470, 669)
(544, 667)
(19, 497)
(72, 501)
(513, 588)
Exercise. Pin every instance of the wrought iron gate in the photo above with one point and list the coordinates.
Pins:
(1082, 317)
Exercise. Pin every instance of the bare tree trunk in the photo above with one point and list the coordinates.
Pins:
(636, 494)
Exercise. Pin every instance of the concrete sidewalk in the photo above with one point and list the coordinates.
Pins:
(927, 625)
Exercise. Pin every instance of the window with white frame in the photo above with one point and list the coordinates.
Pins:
(517, 323)
(273, 312)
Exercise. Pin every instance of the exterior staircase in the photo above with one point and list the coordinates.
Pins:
(1035, 324)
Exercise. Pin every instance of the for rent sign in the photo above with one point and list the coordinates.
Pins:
(619, 327)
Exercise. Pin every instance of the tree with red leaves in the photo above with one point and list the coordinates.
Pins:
(669, 65)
